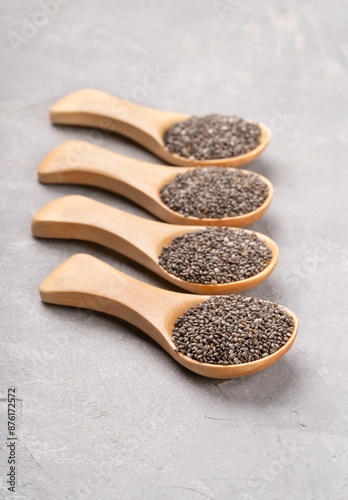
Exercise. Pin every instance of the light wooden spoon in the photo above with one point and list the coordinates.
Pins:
(78, 162)
(92, 108)
(84, 281)
(78, 217)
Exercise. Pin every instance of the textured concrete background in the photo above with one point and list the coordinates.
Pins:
(103, 413)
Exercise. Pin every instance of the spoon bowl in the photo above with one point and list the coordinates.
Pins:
(81, 218)
(86, 282)
(93, 108)
(78, 162)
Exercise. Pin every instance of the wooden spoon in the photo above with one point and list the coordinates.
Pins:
(92, 108)
(78, 217)
(77, 162)
(84, 281)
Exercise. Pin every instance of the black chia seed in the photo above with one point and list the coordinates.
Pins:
(212, 137)
(214, 192)
(230, 330)
(215, 255)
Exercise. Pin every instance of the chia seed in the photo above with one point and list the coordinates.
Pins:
(230, 330)
(212, 137)
(214, 192)
(215, 255)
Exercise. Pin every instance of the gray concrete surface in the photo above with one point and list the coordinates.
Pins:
(103, 413)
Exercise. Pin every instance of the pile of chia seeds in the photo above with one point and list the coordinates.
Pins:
(212, 137)
(214, 192)
(215, 255)
(230, 330)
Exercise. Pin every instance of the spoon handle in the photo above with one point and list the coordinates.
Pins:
(86, 282)
(93, 108)
(81, 218)
(79, 162)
